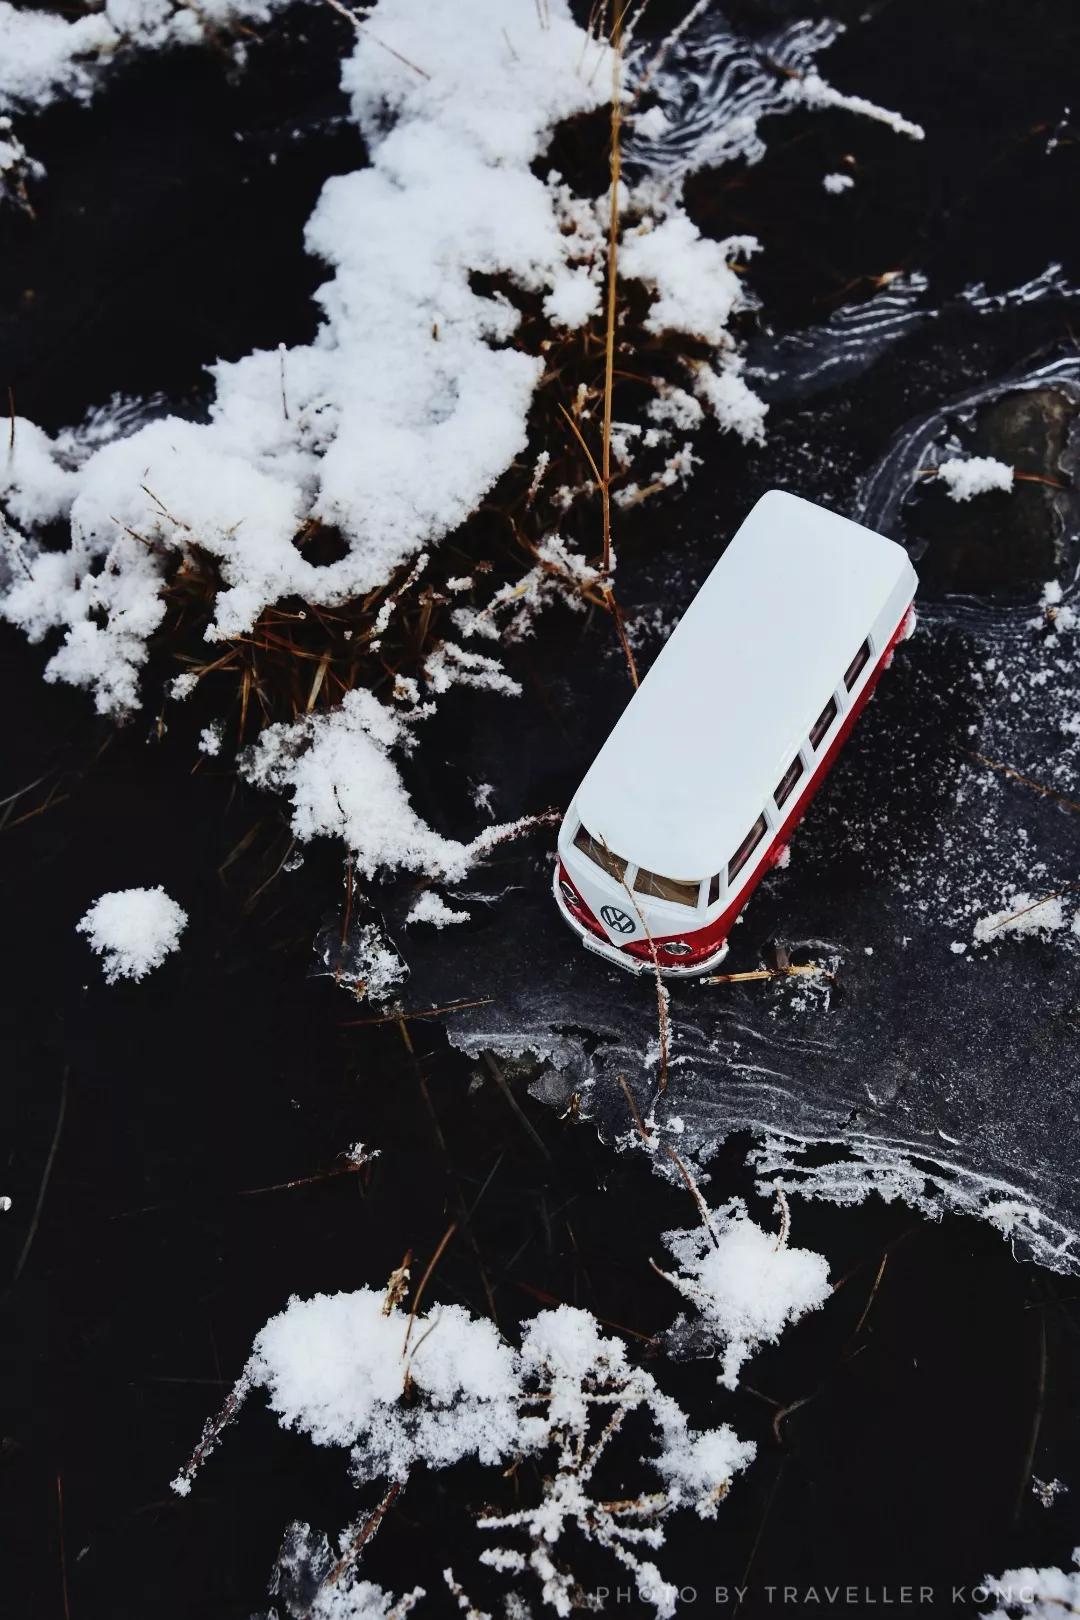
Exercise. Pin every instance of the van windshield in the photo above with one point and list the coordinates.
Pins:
(598, 852)
(663, 888)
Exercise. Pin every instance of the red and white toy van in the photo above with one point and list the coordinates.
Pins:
(697, 790)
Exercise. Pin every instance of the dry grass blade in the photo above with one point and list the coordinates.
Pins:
(515, 1107)
(615, 165)
(695, 1193)
(635, 1112)
(1025, 781)
(45, 1175)
(316, 685)
(306, 1181)
(358, 24)
(1034, 906)
(871, 1296)
(432, 1263)
(430, 1012)
(809, 970)
(367, 1529)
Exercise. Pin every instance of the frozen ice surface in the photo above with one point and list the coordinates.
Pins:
(945, 1077)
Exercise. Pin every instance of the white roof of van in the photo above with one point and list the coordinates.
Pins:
(702, 744)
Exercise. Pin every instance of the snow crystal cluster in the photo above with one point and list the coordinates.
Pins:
(339, 1367)
(133, 931)
(1034, 1594)
(967, 476)
(745, 1284)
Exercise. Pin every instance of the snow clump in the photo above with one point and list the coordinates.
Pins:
(745, 1284)
(1035, 1594)
(966, 476)
(344, 784)
(432, 908)
(133, 931)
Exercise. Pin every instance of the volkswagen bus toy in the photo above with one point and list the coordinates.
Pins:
(697, 790)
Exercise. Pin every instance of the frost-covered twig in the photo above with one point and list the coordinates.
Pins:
(332, 1368)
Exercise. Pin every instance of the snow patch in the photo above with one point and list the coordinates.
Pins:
(432, 908)
(745, 1284)
(1021, 916)
(967, 476)
(133, 931)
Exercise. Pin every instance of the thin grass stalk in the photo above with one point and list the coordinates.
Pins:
(615, 162)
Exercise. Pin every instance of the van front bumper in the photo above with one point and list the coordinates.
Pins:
(622, 959)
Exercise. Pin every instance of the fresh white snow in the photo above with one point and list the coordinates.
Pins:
(432, 908)
(834, 184)
(133, 931)
(1021, 916)
(337, 769)
(967, 476)
(1034, 1594)
(745, 1284)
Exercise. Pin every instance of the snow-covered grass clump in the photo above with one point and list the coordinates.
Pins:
(966, 476)
(133, 931)
(410, 403)
(415, 396)
(358, 1371)
(834, 184)
(745, 1284)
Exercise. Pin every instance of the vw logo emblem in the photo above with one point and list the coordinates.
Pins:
(618, 920)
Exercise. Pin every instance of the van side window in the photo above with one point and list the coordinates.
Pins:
(747, 848)
(608, 862)
(857, 665)
(789, 779)
(822, 723)
(714, 889)
(662, 888)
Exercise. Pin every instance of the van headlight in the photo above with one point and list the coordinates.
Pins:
(676, 947)
(569, 893)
